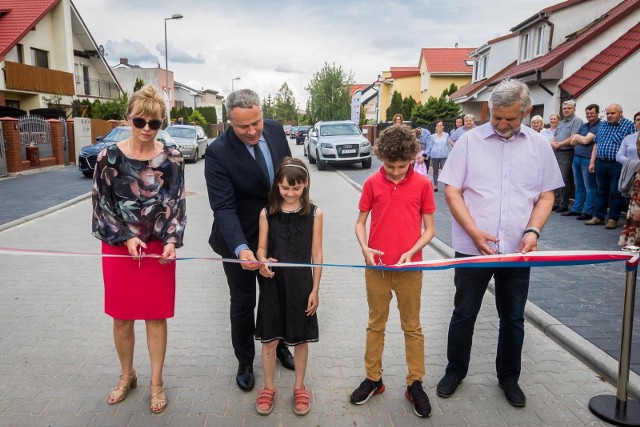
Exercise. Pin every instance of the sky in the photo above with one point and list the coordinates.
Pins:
(268, 42)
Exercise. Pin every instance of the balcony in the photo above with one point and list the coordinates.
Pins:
(37, 79)
(96, 88)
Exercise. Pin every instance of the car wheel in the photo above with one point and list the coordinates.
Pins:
(322, 165)
(366, 164)
(312, 160)
(88, 174)
(196, 156)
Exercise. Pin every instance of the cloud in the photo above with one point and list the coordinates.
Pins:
(135, 51)
(180, 56)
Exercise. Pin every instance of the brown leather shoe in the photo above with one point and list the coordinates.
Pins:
(611, 224)
(594, 221)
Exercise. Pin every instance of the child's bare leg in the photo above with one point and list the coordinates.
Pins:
(301, 353)
(269, 363)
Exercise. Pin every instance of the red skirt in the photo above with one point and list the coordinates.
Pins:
(146, 292)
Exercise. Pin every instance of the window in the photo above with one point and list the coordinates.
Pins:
(526, 47)
(485, 61)
(476, 70)
(12, 103)
(40, 58)
(20, 52)
(540, 41)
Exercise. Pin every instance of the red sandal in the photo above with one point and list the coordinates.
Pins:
(301, 402)
(264, 401)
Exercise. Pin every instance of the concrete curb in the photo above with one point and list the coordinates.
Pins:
(44, 212)
(596, 359)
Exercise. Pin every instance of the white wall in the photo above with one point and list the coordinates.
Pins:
(614, 88)
(573, 18)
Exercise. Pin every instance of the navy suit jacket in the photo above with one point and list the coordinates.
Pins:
(238, 189)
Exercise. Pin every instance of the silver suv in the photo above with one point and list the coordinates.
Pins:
(337, 142)
(191, 140)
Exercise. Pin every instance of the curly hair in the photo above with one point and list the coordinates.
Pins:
(397, 143)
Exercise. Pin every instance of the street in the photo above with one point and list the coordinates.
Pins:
(58, 362)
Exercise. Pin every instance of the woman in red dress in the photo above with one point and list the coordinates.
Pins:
(139, 213)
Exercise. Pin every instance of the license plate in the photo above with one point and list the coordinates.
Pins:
(348, 151)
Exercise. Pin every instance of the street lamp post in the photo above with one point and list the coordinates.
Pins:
(166, 65)
(232, 80)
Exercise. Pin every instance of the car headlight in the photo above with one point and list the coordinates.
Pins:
(84, 151)
(325, 145)
(365, 144)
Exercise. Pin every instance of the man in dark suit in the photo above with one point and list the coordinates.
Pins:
(239, 169)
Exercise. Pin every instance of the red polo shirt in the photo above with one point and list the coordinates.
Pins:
(396, 212)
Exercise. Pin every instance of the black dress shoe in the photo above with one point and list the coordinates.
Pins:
(584, 217)
(561, 210)
(555, 208)
(244, 378)
(570, 213)
(513, 393)
(447, 386)
(284, 356)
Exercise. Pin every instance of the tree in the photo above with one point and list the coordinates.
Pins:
(284, 106)
(197, 118)
(224, 114)
(450, 90)
(408, 104)
(139, 84)
(330, 94)
(209, 114)
(435, 109)
(395, 106)
(267, 107)
(363, 115)
(113, 109)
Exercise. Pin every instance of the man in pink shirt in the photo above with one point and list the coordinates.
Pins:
(499, 188)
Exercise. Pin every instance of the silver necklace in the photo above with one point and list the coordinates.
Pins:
(134, 156)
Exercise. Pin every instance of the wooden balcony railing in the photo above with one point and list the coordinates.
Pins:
(38, 79)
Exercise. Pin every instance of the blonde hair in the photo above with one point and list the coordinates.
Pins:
(147, 102)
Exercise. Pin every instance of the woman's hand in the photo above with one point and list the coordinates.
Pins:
(168, 254)
(135, 247)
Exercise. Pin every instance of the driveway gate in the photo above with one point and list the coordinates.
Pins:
(35, 131)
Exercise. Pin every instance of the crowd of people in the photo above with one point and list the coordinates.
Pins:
(263, 215)
(598, 160)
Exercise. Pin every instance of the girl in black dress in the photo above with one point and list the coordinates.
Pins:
(291, 232)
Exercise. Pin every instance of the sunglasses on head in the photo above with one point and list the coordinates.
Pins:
(140, 123)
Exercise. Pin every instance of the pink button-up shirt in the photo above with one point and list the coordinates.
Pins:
(500, 182)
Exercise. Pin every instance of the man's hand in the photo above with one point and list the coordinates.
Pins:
(486, 243)
(528, 243)
(369, 255)
(247, 255)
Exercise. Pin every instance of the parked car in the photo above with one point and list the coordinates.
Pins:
(191, 140)
(292, 132)
(89, 153)
(337, 142)
(287, 129)
(301, 134)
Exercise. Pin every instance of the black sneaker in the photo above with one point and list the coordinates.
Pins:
(416, 395)
(447, 386)
(368, 388)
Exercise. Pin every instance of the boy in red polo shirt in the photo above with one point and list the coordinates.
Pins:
(401, 204)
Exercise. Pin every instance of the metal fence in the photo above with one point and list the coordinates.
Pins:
(96, 88)
(35, 131)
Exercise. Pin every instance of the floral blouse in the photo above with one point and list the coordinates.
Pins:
(144, 199)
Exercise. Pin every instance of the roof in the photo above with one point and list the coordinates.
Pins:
(471, 88)
(447, 59)
(17, 18)
(576, 41)
(601, 64)
(399, 72)
(545, 13)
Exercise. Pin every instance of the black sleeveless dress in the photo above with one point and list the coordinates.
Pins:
(283, 298)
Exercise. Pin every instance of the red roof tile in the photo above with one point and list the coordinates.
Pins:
(19, 18)
(601, 64)
(471, 88)
(555, 56)
(399, 72)
(447, 59)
